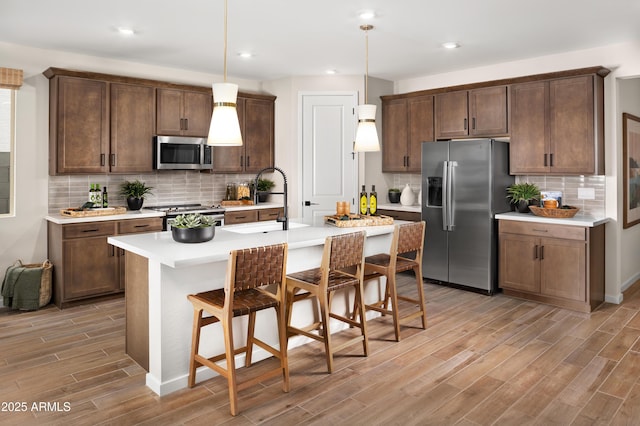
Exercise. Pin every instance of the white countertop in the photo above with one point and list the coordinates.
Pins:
(577, 220)
(252, 207)
(399, 207)
(130, 214)
(160, 246)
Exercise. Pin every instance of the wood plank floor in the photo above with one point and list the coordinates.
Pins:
(481, 361)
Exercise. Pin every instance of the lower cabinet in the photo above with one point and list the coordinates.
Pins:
(556, 264)
(252, 215)
(85, 265)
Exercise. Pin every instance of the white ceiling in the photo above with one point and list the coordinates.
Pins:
(305, 37)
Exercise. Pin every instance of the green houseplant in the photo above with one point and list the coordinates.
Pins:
(135, 192)
(192, 228)
(263, 187)
(522, 195)
(394, 195)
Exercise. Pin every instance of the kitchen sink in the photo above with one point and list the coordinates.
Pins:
(254, 228)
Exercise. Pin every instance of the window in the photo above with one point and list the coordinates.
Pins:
(10, 82)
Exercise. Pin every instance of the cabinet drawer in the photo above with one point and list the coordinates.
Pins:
(89, 229)
(242, 216)
(270, 214)
(131, 226)
(544, 230)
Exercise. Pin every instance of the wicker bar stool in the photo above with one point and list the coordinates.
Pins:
(342, 267)
(248, 271)
(407, 238)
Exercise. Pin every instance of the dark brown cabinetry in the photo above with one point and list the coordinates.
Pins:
(252, 215)
(479, 112)
(86, 266)
(183, 112)
(557, 126)
(401, 215)
(78, 126)
(132, 128)
(256, 117)
(406, 123)
(555, 264)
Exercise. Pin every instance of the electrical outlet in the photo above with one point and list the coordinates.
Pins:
(586, 194)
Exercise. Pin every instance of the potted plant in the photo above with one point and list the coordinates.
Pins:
(522, 195)
(263, 187)
(394, 195)
(192, 228)
(134, 192)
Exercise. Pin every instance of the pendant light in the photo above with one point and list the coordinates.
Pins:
(225, 128)
(366, 134)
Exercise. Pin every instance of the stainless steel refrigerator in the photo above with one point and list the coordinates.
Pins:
(463, 186)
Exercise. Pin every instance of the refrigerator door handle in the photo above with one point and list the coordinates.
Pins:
(451, 220)
(445, 193)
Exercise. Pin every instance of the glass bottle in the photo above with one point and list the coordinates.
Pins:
(98, 196)
(105, 199)
(363, 201)
(373, 200)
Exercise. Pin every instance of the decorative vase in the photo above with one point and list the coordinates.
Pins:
(134, 203)
(523, 206)
(407, 197)
(193, 235)
(394, 196)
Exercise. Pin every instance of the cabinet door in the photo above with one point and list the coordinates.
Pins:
(563, 268)
(420, 130)
(91, 268)
(571, 129)
(394, 135)
(528, 150)
(519, 263)
(132, 128)
(258, 134)
(488, 111)
(452, 119)
(230, 159)
(81, 135)
(169, 120)
(196, 113)
(240, 216)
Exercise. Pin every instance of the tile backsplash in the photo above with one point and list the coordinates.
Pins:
(169, 187)
(568, 185)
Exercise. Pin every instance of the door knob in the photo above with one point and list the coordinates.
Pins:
(309, 203)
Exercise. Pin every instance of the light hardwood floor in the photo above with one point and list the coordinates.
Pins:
(481, 361)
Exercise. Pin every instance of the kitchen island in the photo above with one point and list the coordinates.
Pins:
(160, 273)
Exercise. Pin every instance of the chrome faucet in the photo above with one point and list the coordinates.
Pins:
(285, 218)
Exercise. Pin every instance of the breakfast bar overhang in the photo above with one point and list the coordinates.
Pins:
(160, 273)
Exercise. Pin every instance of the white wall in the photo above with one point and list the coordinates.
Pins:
(622, 266)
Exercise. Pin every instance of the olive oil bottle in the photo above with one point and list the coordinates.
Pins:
(373, 201)
(363, 201)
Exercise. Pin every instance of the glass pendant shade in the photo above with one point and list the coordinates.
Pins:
(366, 134)
(225, 128)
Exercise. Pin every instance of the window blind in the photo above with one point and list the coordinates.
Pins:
(10, 78)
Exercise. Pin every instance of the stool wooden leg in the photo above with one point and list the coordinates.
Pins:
(359, 296)
(231, 365)
(250, 330)
(395, 309)
(282, 335)
(423, 306)
(325, 306)
(195, 343)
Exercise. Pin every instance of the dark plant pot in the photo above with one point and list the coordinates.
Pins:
(523, 206)
(134, 203)
(193, 235)
(262, 196)
(394, 197)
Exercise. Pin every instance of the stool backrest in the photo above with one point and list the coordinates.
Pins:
(257, 266)
(410, 237)
(346, 250)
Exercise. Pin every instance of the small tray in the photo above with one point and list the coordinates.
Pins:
(356, 220)
(75, 212)
(554, 213)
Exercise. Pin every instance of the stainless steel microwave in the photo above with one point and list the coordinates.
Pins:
(181, 153)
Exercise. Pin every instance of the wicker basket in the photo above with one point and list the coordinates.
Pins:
(45, 279)
(554, 213)
(356, 220)
(109, 211)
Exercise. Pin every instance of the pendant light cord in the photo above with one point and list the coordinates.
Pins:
(225, 41)
(366, 29)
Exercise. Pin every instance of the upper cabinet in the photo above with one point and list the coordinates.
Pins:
(558, 126)
(406, 123)
(256, 117)
(78, 126)
(479, 113)
(183, 112)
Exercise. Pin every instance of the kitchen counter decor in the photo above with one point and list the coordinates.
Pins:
(354, 220)
(80, 212)
(192, 228)
(562, 212)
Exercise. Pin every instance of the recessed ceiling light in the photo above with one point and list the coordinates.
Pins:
(450, 45)
(125, 31)
(367, 14)
(332, 72)
(245, 55)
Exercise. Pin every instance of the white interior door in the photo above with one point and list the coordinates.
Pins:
(329, 166)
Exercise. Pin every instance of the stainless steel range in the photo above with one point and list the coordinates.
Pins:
(173, 210)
